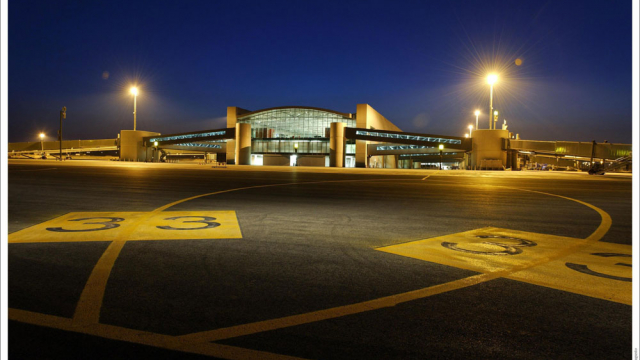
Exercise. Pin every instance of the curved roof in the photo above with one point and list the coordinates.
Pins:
(293, 107)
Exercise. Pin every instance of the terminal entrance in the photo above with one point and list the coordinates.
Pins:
(349, 161)
(257, 160)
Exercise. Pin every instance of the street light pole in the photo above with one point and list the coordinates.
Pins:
(491, 107)
(440, 147)
(41, 143)
(491, 79)
(134, 91)
(63, 115)
(470, 130)
(477, 113)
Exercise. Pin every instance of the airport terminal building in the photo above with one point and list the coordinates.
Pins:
(291, 136)
(311, 136)
(301, 136)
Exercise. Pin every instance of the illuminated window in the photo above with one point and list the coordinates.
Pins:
(191, 137)
(408, 137)
(293, 123)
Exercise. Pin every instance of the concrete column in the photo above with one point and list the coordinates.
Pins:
(243, 144)
(233, 113)
(337, 144)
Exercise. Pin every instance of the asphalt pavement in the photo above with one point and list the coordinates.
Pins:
(113, 260)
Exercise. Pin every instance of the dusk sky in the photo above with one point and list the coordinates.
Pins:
(421, 64)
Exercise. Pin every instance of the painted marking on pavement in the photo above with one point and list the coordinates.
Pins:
(493, 249)
(90, 302)
(202, 339)
(288, 321)
(426, 177)
(143, 337)
(87, 314)
(112, 226)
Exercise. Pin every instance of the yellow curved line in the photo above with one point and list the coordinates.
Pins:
(143, 337)
(86, 318)
(606, 219)
(90, 303)
(389, 301)
(268, 185)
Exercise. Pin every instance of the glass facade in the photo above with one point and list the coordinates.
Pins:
(190, 137)
(279, 130)
(408, 137)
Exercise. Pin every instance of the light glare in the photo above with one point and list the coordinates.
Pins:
(134, 91)
(492, 78)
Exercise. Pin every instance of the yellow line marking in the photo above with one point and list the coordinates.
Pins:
(39, 232)
(90, 303)
(426, 177)
(202, 339)
(268, 185)
(194, 225)
(142, 337)
(477, 250)
(87, 313)
(257, 327)
(606, 219)
(225, 226)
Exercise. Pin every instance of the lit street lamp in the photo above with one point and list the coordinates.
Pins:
(441, 147)
(134, 91)
(491, 79)
(477, 113)
(495, 119)
(470, 130)
(155, 151)
(41, 143)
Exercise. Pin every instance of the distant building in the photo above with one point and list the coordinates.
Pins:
(275, 133)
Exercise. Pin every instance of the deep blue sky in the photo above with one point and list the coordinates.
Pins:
(419, 63)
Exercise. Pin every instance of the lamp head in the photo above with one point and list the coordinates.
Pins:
(492, 78)
(41, 136)
(134, 91)
(155, 143)
(466, 135)
(495, 113)
(440, 146)
(470, 127)
(477, 112)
